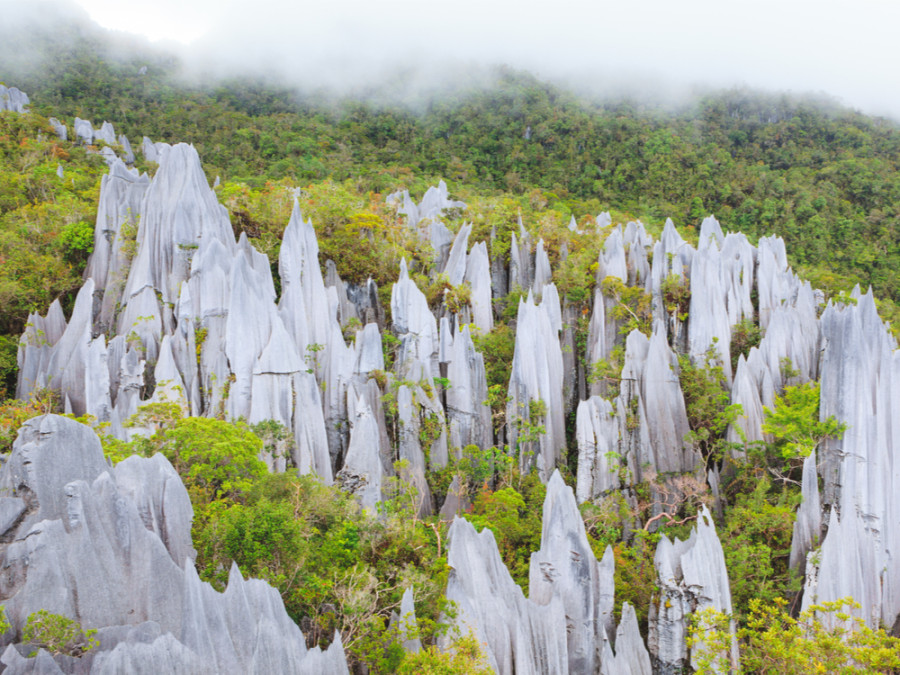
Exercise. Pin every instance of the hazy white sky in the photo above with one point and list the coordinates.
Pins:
(849, 49)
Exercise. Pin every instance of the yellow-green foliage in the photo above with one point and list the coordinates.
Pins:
(46, 223)
(706, 398)
(756, 539)
(632, 306)
(676, 294)
(58, 634)
(794, 422)
(465, 656)
(514, 516)
(825, 638)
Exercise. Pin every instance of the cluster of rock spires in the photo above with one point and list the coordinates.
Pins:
(566, 624)
(174, 309)
(111, 548)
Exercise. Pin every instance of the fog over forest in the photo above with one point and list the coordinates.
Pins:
(654, 49)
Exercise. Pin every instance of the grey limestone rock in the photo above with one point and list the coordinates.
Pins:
(13, 99)
(651, 413)
(414, 325)
(162, 503)
(363, 473)
(59, 128)
(597, 434)
(565, 568)
(521, 262)
(113, 549)
(455, 269)
(74, 365)
(631, 656)
(468, 414)
(84, 131)
(860, 372)
(16, 664)
(478, 276)
(178, 212)
(692, 577)
(347, 309)
(499, 272)
(127, 152)
(426, 217)
(664, 408)
(542, 273)
(35, 348)
(709, 325)
(165, 654)
(48, 453)
(774, 278)
(456, 501)
(410, 447)
(108, 155)
(519, 635)
(118, 213)
(537, 375)
(406, 624)
(105, 133)
(808, 525)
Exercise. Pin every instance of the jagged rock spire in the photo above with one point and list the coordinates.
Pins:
(535, 385)
(565, 568)
(519, 635)
(112, 548)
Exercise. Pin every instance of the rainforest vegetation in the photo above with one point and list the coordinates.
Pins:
(825, 178)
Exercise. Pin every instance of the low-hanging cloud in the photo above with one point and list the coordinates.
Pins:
(846, 49)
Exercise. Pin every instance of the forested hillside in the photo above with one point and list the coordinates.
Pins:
(535, 164)
(822, 176)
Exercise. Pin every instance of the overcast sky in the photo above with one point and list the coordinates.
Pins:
(850, 50)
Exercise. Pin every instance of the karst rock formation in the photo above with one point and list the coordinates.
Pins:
(175, 309)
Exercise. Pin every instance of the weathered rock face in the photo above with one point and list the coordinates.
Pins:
(646, 433)
(692, 577)
(860, 372)
(415, 326)
(597, 433)
(12, 99)
(808, 526)
(535, 385)
(565, 568)
(405, 623)
(112, 549)
(467, 410)
(61, 131)
(118, 214)
(198, 309)
(426, 216)
(478, 275)
(520, 636)
(631, 656)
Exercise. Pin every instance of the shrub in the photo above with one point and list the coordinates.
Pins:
(632, 308)
(676, 294)
(707, 401)
(744, 336)
(794, 422)
(58, 634)
(824, 638)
